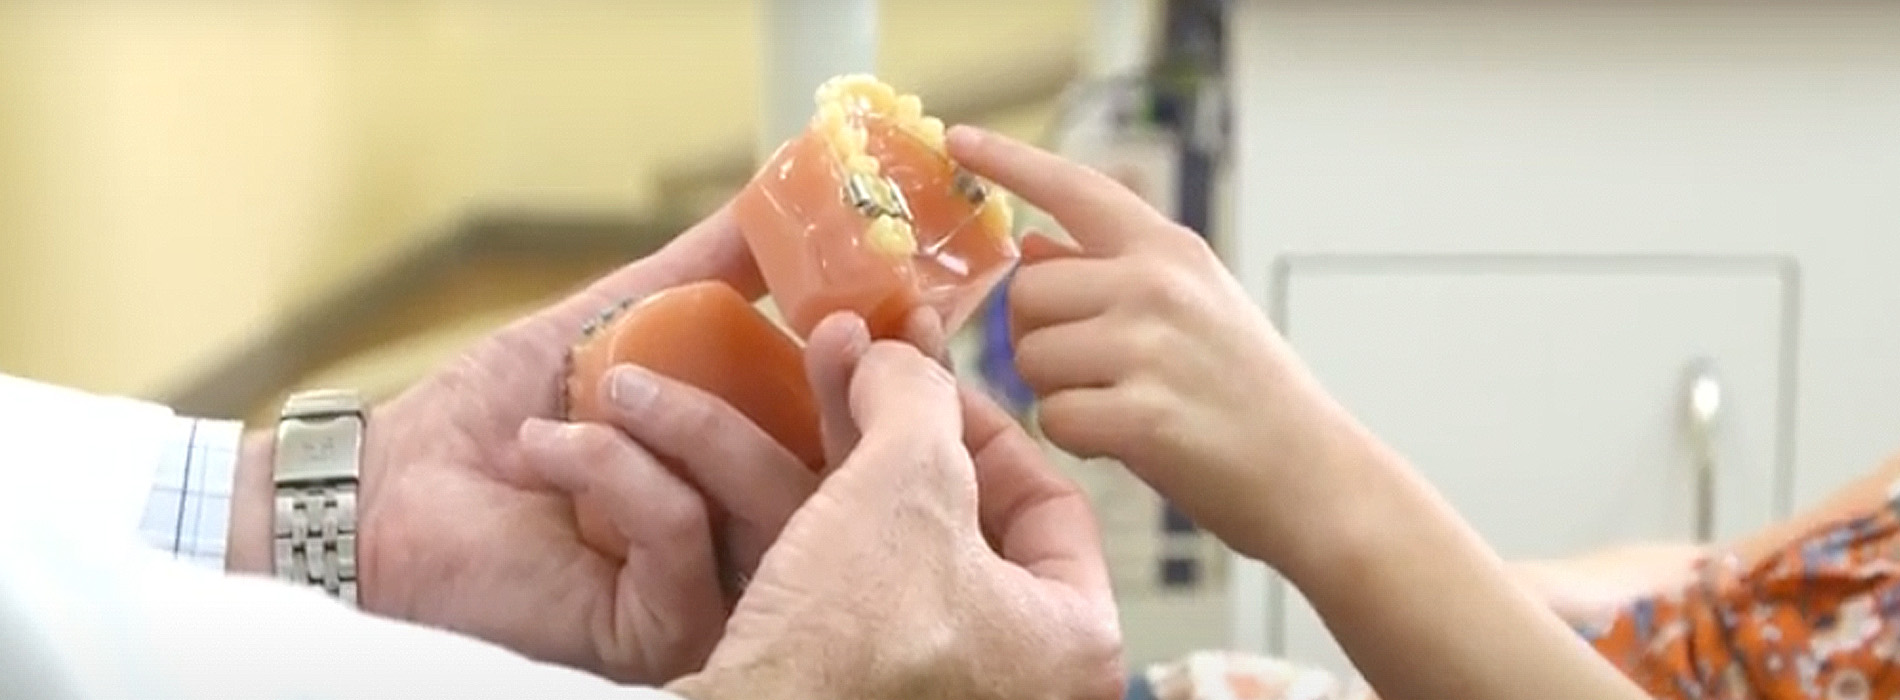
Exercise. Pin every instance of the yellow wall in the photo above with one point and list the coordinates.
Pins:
(179, 173)
(168, 162)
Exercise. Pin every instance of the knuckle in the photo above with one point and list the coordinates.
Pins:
(1178, 240)
(1033, 362)
(1023, 282)
(680, 517)
(1065, 422)
(892, 360)
(890, 355)
(1145, 343)
(1147, 419)
(1098, 650)
(691, 416)
(1020, 300)
(939, 376)
(1039, 278)
(676, 418)
(1052, 421)
(1164, 289)
(1020, 326)
(595, 442)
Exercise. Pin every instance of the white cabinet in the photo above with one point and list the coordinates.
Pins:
(1697, 152)
(1544, 395)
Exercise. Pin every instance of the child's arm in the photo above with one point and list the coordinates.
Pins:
(1423, 607)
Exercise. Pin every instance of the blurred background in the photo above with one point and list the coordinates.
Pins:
(186, 178)
(1501, 231)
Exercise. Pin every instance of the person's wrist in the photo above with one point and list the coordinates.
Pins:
(777, 678)
(1301, 460)
(726, 684)
(1347, 483)
(249, 540)
(792, 667)
(371, 557)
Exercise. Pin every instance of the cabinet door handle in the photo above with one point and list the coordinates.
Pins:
(1702, 404)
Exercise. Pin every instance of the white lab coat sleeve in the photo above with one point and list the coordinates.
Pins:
(88, 611)
(188, 511)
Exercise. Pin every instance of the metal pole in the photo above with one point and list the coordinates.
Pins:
(1120, 39)
(806, 42)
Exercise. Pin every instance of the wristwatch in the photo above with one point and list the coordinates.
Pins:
(318, 462)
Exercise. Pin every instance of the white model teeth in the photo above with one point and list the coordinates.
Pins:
(908, 109)
(930, 129)
(830, 116)
(837, 104)
(994, 214)
(847, 95)
(860, 91)
(891, 236)
(842, 103)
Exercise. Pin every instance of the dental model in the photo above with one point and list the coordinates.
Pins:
(866, 212)
(706, 335)
(863, 212)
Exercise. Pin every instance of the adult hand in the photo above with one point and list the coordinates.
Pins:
(466, 522)
(1142, 347)
(884, 584)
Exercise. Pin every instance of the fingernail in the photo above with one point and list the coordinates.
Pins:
(538, 435)
(534, 428)
(963, 136)
(632, 388)
(860, 337)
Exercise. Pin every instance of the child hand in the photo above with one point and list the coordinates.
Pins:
(1143, 348)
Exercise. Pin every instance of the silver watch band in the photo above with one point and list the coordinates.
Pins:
(318, 464)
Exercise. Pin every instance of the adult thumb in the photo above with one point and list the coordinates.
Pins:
(910, 426)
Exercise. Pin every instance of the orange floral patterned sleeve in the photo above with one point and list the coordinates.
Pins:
(1817, 617)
